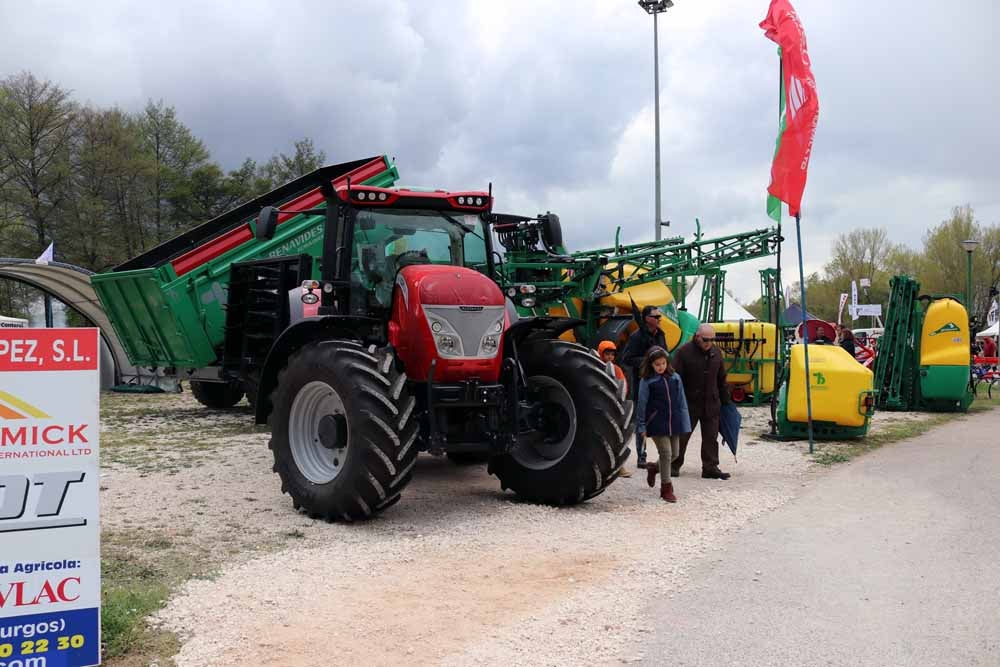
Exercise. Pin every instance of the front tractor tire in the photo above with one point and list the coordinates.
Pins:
(217, 395)
(573, 439)
(343, 434)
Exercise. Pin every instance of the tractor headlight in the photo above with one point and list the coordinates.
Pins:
(528, 302)
(446, 338)
(310, 298)
(445, 344)
(490, 343)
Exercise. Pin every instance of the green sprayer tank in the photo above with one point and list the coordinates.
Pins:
(922, 359)
(944, 353)
(168, 305)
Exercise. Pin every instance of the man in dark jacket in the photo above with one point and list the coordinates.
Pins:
(646, 336)
(701, 369)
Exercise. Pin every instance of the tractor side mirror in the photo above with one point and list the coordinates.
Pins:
(267, 222)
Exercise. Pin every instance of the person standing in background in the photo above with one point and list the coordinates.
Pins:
(989, 347)
(846, 340)
(703, 373)
(648, 335)
(608, 351)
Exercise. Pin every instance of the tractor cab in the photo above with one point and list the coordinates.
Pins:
(386, 240)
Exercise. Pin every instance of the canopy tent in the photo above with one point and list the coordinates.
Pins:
(993, 331)
(792, 317)
(71, 285)
(731, 308)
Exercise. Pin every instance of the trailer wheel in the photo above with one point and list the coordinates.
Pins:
(575, 427)
(342, 430)
(217, 395)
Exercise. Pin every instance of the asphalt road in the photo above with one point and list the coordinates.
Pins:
(891, 559)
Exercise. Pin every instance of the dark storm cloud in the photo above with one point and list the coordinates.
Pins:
(552, 101)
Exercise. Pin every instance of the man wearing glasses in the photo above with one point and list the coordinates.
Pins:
(704, 376)
(646, 336)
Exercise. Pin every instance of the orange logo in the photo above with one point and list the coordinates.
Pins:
(12, 407)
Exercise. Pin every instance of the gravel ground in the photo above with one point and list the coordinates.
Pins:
(457, 573)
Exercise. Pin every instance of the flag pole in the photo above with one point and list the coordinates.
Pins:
(779, 367)
(805, 331)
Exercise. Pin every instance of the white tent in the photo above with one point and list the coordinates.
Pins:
(731, 309)
(993, 331)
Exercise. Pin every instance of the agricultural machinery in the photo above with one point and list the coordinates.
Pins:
(602, 288)
(922, 360)
(365, 324)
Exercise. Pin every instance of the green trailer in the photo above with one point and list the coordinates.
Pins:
(168, 305)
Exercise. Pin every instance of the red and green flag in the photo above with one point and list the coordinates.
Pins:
(798, 109)
(773, 203)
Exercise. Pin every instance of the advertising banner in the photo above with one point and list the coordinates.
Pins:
(840, 310)
(50, 585)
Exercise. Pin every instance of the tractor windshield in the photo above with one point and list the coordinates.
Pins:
(386, 240)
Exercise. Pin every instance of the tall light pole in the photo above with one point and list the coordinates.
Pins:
(656, 7)
(969, 245)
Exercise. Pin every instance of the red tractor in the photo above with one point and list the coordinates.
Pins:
(405, 343)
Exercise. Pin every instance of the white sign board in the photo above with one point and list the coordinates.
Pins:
(869, 310)
(50, 556)
(13, 323)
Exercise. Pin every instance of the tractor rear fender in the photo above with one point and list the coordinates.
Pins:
(300, 334)
(536, 328)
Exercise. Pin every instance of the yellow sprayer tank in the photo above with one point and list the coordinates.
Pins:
(944, 351)
(648, 294)
(654, 293)
(842, 389)
(758, 351)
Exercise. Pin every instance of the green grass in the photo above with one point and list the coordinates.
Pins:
(125, 606)
(833, 453)
(983, 404)
(139, 570)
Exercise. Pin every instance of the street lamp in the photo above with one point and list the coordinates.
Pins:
(656, 7)
(969, 245)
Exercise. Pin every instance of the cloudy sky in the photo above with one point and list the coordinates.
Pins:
(552, 101)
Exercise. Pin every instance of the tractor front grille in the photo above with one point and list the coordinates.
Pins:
(470, 324)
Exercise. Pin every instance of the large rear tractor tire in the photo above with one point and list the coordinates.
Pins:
(342, 430)
(574, 440)
(217, 395)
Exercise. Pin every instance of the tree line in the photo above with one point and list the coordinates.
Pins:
(940, 266)
(106, 184)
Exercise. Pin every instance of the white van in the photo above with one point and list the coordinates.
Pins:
(868, 336)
